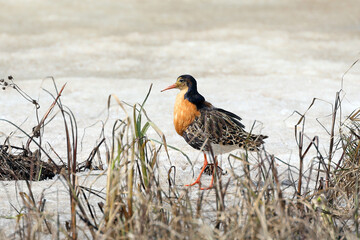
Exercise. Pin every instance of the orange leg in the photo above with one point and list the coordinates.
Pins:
(212, 177)
(197, 181)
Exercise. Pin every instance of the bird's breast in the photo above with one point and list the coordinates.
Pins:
(184, 113)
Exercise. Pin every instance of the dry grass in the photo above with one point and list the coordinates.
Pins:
(318, 202)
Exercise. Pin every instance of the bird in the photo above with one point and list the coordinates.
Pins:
(208, 128)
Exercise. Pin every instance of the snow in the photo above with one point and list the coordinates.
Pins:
(262, 60)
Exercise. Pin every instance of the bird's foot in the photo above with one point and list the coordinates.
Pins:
(209, 187)
(198, 182)
(209, 170)
(192, 184)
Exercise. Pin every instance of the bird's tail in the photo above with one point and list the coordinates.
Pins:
(254, 142)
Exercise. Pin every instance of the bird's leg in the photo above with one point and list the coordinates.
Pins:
(197, 181)
(212, 177)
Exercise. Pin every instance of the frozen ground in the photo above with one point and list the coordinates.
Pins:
(259, 59)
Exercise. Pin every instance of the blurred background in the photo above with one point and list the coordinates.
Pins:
(157, 39)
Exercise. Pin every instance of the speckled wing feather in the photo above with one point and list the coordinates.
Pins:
(222, 128)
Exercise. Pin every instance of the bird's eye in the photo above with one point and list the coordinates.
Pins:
(181, 80)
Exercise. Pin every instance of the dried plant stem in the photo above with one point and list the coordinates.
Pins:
(331, 145)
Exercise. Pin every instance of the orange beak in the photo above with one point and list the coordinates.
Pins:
(170, 87)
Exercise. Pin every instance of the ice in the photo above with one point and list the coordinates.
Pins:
(262, 60)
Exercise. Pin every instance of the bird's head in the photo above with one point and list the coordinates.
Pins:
(183, 82)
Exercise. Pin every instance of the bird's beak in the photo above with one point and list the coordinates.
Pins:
(170, 87)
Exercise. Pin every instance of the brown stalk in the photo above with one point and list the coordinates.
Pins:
(332, 137)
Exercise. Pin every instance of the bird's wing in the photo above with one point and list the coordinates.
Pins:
(235, 118)
(217, 126)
